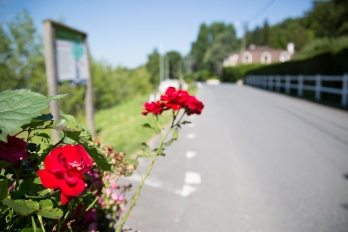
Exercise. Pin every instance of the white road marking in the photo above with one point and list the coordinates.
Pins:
(191, 136)
(186, 190)
(193, 178)
(190, 154)
(149, 182)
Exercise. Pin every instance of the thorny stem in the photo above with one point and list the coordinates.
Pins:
(136, 196)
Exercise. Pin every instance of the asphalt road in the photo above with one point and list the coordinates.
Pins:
(253, 161)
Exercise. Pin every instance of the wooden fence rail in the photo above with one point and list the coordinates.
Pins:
(277, 82)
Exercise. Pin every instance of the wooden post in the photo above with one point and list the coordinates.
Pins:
(317, 87)
(344, 89)
(51, 72)
(270, 82)
(89, 94)
(300, 85)
(287, 84)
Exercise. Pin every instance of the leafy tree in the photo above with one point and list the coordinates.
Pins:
(21, 59)
(213, 44)
(202, 44)
(341, 17)
(279, 35)
(321, 19)
(153, 68)
(174, 62)
(223, 45)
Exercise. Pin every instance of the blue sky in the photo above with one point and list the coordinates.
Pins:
(125, 32)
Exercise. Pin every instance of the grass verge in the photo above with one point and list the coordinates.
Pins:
(121, 126)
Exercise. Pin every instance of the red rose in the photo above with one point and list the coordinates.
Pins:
(153, 107)
(65, 168)
(193, 106)
(13, 150)
(175, 99)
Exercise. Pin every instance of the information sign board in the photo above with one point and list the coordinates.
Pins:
(71, 56)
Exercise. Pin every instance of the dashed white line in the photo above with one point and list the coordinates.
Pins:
(186, 190)
(193, 178)
(190, 154)
(191, 136)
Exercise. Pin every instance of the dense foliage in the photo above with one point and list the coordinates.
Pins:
(22, 65)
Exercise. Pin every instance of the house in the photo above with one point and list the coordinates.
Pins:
(260, 54)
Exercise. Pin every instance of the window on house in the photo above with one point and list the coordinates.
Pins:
(284, 56)
(247, 58)
(266, 58)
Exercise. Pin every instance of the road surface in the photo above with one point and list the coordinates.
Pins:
(254, 161)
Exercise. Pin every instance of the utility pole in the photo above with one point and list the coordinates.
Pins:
(244, 26)
(167, 67)
(160, 68)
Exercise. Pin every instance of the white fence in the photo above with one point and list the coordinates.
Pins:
(286, 82)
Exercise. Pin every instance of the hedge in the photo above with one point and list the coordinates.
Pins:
(328, 63)
(232, 74)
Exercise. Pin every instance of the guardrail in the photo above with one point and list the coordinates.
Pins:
(286, 82)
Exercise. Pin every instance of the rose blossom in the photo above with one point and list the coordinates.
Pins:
(193, 106)
(153, 107)
(65, 168)
(175, 99)
(13, 150)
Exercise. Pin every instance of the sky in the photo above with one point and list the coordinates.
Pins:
(126, 32)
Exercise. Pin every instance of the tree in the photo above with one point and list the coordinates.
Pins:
(21, 60)
(174, 62)
(213, 44)
(321, 19)
(152, 67)
(200, 47)
(223, 45)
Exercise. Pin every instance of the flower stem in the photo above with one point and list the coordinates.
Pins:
(41, 223)
(136, 196)
(91, 205)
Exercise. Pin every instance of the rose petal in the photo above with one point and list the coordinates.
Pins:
(48, 179)
(72, 189)
(64, 199)
(85, 156)
(72, 154)
(53, 161)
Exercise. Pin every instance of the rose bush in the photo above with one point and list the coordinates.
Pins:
(71, 185)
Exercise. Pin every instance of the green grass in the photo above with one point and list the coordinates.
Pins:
(121, 126)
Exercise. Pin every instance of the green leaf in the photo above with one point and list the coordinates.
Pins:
(45, 117)
(31, 230)
(175, 134)
(37, 180)
(97, 157)
(52, 213)
(82, 136)
(46, 204)
(19, 206)
(41, 194)
(18, 107)
(185, 122)
(146, 125)
(4, 164)
(3, 189)
(32, 204)
(169, 142)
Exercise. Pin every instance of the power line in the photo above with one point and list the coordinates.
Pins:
(261, 11)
